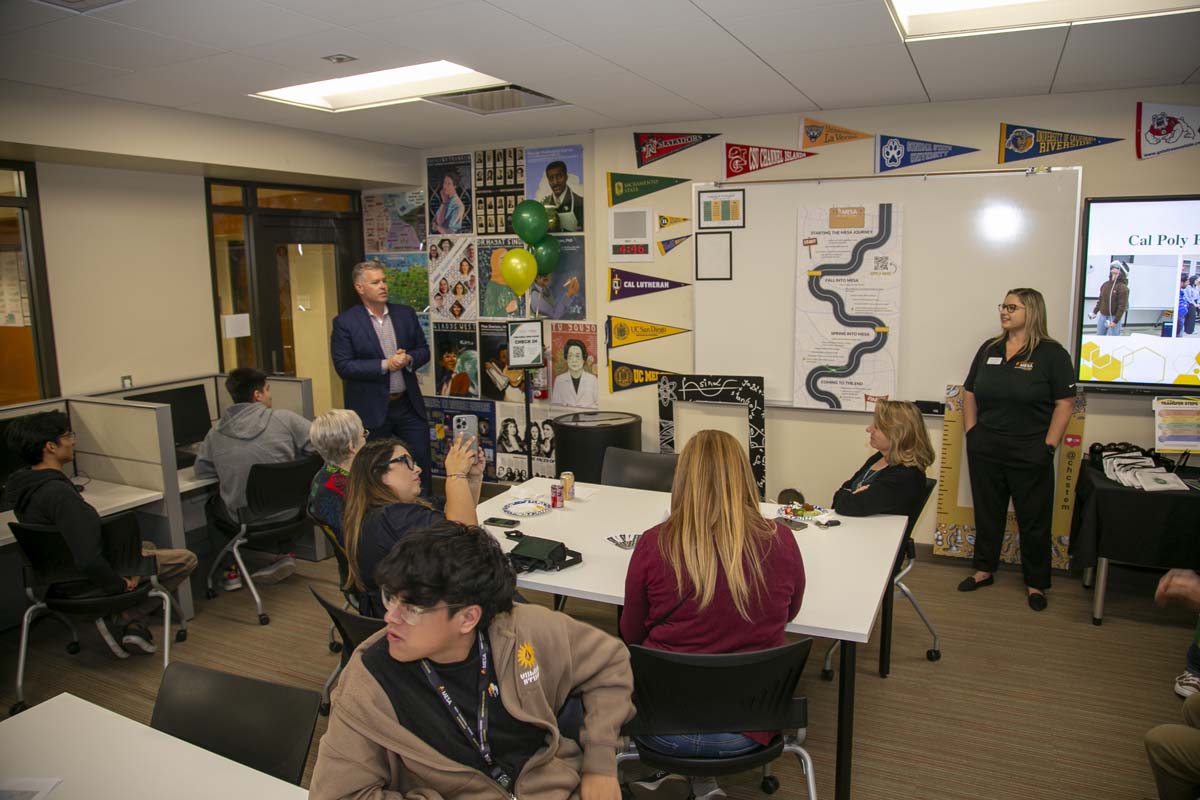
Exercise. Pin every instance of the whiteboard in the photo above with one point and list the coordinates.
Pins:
(956, 268)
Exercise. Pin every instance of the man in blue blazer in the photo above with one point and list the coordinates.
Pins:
(376, 347)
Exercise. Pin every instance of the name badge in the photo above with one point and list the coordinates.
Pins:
(994, 360)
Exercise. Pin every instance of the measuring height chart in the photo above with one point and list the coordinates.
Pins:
(848, 267)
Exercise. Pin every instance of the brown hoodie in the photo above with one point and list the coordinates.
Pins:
(1114, 298)
(542, 657)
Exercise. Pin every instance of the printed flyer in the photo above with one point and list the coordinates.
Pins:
(453, 284)
(573, 347)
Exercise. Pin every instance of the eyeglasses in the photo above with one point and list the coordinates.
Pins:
(67, 435)
(406, 460)
(1009, 307)
(410, 614)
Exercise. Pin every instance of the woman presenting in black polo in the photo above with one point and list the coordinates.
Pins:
(1017, 403)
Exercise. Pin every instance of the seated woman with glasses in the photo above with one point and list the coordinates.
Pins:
(892, 479)
(337, 435)
(714, 577)
(383, 503)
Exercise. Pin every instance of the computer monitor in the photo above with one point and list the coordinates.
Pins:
(189, 411)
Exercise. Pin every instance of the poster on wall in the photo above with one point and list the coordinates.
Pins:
(451, 195)
(407, 276)
(499, 186)
(455, 359)
(453, 282)
(13, 291)
(555, 178)
(496, 300)
(515, 440)
(441, 412)
(497, 381)
(574, 353)
(1164, 128)
(721, 208)
(847, 305)
(563, 293)
(393, 221)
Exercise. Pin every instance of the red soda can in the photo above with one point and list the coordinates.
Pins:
(556, 495)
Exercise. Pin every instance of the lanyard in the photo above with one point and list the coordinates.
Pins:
(866, 477)
(477, 739)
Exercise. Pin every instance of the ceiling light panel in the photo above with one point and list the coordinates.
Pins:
(920, 19)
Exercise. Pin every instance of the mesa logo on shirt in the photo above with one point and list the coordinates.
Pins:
(1024, 365)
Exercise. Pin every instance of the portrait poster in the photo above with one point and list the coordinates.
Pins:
(496, 300)
(453, 282)
(407, 276)
(441, 412)
(514, 440)
(563, 293)
(573, 349)
(497, 380)
(393, 221)
(455, 359)
(554, 177)
(499, 186)
(451, 195)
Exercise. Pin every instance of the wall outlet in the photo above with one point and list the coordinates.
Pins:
(126, 381)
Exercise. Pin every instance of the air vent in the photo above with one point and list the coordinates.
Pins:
(501, 100)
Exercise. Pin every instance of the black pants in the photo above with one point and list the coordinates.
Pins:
(404, 423)
(1020, 468)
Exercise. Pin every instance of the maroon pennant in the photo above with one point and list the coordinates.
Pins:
(743, 158)
(650, 147)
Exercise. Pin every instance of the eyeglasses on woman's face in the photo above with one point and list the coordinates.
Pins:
(410, 614)
(405, 459)
(1010, 308)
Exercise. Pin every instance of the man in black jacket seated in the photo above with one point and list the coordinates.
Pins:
(42, 494)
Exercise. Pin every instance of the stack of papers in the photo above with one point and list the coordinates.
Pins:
(1140, 472)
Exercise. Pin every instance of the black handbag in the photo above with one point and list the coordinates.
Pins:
(535, 553)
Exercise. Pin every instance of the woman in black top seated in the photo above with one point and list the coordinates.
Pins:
(893, 479)
(383, 503)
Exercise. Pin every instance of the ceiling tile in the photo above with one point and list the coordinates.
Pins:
(306, 53)
(826, 27)
(82, 38)
(996, 65)
(355, 12)
(17, 15)
(602, 19)
(721, 10)
(458, 30)
(1154, 51)
(876, 75)
(224, 24)
(47, 70)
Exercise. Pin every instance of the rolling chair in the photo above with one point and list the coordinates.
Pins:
(634, 469)
(343, 565)
(908, 550)
(741, 691)
(354, 630)
(270, 489)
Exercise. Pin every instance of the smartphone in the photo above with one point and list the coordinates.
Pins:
(833, 523)
(501, 522)
(794, 524)
(465, 425)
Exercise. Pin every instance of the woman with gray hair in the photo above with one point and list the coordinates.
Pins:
(337, 435)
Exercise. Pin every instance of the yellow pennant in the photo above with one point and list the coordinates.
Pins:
(666, 221)
(620, 331)
(814, 133)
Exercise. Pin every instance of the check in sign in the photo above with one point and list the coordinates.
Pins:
(525, 344)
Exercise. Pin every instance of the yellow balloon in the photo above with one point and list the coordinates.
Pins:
(519, 268)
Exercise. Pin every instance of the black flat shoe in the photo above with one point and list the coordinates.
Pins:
(969, 584)
(1037, 601)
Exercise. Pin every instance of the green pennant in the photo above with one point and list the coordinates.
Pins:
(623, 186)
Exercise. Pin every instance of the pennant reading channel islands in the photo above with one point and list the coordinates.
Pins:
(623, 187)
(620, 331)
(1018, 142)
(665, 221)
(743, 158)
(1161, 129)
(815, 133)
(656, 146)
(667, 245)
(894, 152)
(623, 284)
(622, 376)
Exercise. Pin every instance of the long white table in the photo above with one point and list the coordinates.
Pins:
(100, 755)
(848, 571)
(107, 498)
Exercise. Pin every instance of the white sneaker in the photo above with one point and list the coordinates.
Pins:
(1187, 684)
(107, 636)
(276, 571)
(706, 788)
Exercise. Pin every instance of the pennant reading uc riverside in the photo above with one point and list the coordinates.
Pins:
(651, 147)
(814, 133)
(1019, 142)
(667, 245)
(622, 376)
(620, 331)
(743, 158)
(896, 152)
(623, 284)
(623, 186)
(1162, 128)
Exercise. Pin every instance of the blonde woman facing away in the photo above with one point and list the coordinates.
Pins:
(892, 480)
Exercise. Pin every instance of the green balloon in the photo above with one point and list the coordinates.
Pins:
(530, 221)
(546, 252)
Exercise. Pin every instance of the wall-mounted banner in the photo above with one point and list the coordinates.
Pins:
(1162, 128)
(623, 186)
(623, 284)
(650, 147)
(667, 245)
(814, 133)
(622, 376)
(897, 152)
(1018, 142)
(620, 331)
(743, 158)
(666, 221)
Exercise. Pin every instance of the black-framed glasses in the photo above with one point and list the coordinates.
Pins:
(1011, 308)
(405, 459)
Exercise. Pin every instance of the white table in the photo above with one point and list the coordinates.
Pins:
(100, 755)
(189, 482)
(848, 571)
(107, 498)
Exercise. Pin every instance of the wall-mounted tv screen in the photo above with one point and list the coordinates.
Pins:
(1138, 323)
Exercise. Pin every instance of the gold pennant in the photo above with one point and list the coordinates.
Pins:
(623, 331)
(814, 133)
(666, 221)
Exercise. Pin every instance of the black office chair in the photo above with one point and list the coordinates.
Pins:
(49, 564)
(270, 489)
(741, 691)
(354, 630)
(265, 726)
(908, 550)
(343, 565)
(634, 469)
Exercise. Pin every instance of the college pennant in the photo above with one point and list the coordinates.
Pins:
(1162, 128)
(623, 186)
(896, 152)
(622, 376)
(1019, 142)
(743, 158)
(623, 284)
(667, 245)
(620, 331)
(666, 221)
(650, 147)
(814, 133)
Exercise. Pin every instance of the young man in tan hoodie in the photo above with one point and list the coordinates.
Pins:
(459, 696)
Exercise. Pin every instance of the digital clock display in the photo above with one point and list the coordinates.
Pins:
(630, 249)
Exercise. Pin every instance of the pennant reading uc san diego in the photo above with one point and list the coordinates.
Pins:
(667, 245)
(666, 221)
(620, 331)
(1162, 128)
(895, 152)
(623, 284)
(651, 147)
(814, 133)
(1019, 142)
(622, 376)
(743, 158)
(623, 186)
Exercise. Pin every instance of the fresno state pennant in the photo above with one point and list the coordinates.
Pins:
(743, 158)
(1019, 142)
(622, 376)
(1161, 128)
(622, 284)
(650, 147)
(814, 133)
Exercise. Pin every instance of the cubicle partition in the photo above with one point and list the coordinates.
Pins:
(292, 394)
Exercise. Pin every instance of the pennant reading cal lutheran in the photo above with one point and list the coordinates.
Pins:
(1018, 142)
(815, 133)
(620, 331)
(622, 376)
(667, 245)
(1161, 129)
(665, 221)
(743, 158)
(895, 152)
(623, 187)
(656, 146)
(623, 284)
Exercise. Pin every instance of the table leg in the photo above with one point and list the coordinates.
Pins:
(845, 725)
(885, 631)
(1089, 577)
(1101, 586)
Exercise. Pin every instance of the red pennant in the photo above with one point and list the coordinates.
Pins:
(743, 158)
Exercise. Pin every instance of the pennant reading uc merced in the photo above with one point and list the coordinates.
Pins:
(622, 376)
